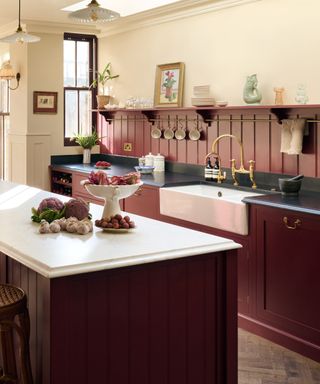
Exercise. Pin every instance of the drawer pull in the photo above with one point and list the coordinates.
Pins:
(295, 225)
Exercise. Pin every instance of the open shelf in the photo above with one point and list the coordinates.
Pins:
(209, 113)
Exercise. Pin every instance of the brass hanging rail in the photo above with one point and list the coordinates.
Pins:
(308, 120)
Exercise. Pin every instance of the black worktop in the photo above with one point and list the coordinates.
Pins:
(308, 200)
(157, 179)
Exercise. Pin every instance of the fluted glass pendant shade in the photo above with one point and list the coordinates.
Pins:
(20, 36)
(94, 13)
(6, 71)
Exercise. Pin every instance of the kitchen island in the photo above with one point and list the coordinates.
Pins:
(155, 305)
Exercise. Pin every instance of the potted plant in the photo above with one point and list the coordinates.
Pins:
(86, 142)
(101, 79)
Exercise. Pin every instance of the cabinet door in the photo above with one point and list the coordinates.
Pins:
(288, 272)
(145, 202)
(79, 191)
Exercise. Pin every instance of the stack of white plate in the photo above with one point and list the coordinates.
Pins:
(201, 96)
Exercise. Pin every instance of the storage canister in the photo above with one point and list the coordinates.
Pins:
(149, 159)
(158, 163)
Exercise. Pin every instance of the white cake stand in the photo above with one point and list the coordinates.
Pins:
(111, 195)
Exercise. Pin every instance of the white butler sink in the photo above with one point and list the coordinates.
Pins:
(213, 206)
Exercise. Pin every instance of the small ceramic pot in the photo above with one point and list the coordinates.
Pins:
(86, 156)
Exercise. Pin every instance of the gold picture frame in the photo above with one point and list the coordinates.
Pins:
(45, 102)
(169, 83)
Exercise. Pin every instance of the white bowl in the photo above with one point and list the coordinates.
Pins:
(221, 103)
(112, 194)
(144, 169)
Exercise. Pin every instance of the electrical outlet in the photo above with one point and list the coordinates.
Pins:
(127, 147)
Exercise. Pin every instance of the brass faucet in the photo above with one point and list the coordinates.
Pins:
(241, 169)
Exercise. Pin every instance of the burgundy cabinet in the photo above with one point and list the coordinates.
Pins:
(288, 283)
(79, 191)
(145, 202)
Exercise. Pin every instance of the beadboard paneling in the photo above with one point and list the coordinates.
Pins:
(37, 289)
(261, 139)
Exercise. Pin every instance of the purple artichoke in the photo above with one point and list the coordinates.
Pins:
(77, 208)
(50, 203)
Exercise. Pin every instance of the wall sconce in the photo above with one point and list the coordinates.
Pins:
(7, 73)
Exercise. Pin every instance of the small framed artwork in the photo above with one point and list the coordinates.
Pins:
(45, 102)
(169, 85)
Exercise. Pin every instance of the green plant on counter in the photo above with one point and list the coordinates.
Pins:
(103, 77)
(86, 142)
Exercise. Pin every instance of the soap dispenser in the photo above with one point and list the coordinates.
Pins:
(216, 169)
(208, 170)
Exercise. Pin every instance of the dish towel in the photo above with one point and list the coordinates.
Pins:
(292, 136)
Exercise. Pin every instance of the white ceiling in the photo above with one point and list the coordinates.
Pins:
(51, 10)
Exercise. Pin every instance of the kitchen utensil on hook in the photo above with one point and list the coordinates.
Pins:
(156, 131)
(194, 134)
(168, 132)
(180, 133)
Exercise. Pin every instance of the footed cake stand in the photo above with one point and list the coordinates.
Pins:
(111, 195)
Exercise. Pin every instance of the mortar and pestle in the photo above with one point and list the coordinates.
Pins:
(291, 186)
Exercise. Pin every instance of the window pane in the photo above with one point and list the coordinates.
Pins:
(83, 64)
(71, 113)
(85, 115)
(69, 52)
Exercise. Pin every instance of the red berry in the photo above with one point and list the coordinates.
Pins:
(132, 224)
(127, 219)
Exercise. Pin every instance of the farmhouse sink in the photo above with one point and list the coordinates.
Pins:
(213, 206)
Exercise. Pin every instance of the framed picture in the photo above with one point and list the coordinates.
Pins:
(45, 102)
(169, 85)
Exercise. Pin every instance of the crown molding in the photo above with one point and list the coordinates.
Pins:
(58, 28)
(35, 26)
(168, 13)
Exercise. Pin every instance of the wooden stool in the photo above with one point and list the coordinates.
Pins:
(13, 304)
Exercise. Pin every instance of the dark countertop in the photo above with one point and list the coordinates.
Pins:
(178, 174)
(307, 202)
(157, 179)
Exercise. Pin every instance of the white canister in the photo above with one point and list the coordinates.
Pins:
(149, 159)
(158, 163)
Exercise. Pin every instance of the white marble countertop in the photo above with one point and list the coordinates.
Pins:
(63, 254)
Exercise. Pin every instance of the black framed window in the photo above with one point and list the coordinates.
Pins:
(79, 64)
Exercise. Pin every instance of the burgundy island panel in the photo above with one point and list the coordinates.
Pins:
(169, 322)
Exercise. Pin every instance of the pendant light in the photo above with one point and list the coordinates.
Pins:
(20, 36)
(94, 13)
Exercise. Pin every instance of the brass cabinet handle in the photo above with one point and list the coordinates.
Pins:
(295, 225)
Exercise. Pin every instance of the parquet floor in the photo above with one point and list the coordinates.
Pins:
(263, 362)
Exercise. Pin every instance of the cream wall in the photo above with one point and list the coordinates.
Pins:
(277, 39)
(33, 137)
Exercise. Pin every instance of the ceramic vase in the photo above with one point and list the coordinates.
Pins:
(86, 156)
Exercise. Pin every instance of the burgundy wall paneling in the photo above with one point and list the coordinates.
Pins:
(257, 126)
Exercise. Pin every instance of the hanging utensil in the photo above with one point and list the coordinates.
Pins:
(168, 132)
(156, 131)
(194, 134)
(180, 133)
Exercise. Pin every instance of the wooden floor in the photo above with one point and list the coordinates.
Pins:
(263, 362)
